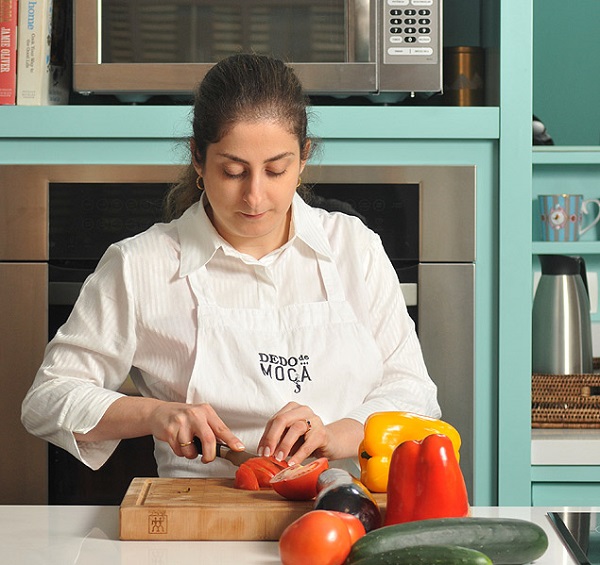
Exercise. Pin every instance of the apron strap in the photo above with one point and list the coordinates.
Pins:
(200, 283)
(331, 279)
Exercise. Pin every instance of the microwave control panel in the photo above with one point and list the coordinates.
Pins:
(411, 31)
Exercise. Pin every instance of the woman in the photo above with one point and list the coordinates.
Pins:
(250, 319)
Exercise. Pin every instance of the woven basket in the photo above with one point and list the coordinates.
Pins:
(565, 401)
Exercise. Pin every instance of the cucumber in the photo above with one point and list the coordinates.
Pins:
(428, 555)
(506, 541)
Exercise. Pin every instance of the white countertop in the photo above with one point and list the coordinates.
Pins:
(88, 535)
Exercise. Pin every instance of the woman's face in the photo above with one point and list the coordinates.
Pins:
(250, 177)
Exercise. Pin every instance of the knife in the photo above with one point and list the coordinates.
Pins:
(225, 452)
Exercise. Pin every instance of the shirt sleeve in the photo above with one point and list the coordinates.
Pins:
(85, 364)
(405, 384)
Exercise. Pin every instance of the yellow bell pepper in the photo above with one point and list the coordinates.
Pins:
(384, 431)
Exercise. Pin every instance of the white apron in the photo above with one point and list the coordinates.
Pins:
(251, 362)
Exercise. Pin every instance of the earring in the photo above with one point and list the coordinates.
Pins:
(199, 183)
(299, 182)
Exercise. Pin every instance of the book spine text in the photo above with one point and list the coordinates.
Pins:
(8, 51)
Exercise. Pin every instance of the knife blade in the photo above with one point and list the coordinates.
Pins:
(225, 452)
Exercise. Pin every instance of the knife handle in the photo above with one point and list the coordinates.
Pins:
(220, 446)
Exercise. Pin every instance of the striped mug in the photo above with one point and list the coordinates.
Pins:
(562, 216)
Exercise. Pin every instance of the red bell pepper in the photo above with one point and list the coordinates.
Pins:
(425, 481)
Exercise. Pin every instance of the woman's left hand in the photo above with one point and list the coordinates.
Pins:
(297, 431)
(294, 430)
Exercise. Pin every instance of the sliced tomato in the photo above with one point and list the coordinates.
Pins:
(283, 464)
(299, 482)
(265, 468)
(267, 463)
(245, 478)
(263, 476)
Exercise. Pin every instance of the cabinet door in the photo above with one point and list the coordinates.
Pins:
(24, 213)
(23, 337)
(565, 494)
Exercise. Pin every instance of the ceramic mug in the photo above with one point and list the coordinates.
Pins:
(562, 216)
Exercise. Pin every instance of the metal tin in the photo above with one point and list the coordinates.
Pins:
(464, 76)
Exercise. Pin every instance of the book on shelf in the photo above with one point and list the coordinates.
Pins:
(43, 52)
(8, 52)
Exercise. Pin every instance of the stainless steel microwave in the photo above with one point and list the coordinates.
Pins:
(337, 47)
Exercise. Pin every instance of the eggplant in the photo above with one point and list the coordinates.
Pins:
(344, 493)
(333, 477)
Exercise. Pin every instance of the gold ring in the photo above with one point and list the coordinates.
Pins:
(308, 426)
(186, 443)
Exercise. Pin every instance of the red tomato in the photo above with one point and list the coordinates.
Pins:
(269, 464)
(263, 476)
(319, 537)
(263, 469)
(245, 478)
(299, 482)
(356, 529)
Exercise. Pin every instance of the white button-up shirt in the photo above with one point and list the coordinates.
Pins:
(136, 311)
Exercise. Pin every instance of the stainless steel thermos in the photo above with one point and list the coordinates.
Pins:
(562, 331)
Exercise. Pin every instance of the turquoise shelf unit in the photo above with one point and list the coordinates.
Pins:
(573, 480)
(348, 135)
(565, 95)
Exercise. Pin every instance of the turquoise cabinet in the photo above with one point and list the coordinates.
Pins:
(348, 135)
(565, 98)
(565, 485)
(496, 139)
(565, 493)
(565, 469)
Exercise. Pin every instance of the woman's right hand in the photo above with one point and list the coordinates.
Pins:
(173, 422)
(177, 423)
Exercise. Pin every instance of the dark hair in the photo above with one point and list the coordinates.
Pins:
(244, 87)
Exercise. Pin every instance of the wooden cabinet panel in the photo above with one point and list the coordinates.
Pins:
(23, 337)
(23, 214)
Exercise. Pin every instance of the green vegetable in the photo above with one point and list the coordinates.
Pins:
(428, 555)
(506, 541)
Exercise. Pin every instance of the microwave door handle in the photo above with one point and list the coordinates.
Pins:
(360, 20)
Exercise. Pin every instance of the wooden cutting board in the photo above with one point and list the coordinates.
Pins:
(205, 509)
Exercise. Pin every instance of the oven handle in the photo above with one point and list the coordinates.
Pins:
(63, 293)
(361, 26)
(409, 290)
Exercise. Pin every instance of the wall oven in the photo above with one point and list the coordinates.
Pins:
(336, 46)
(425, 216)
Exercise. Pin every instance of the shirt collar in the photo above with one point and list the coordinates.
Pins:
(199, 239)
(308, 228)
